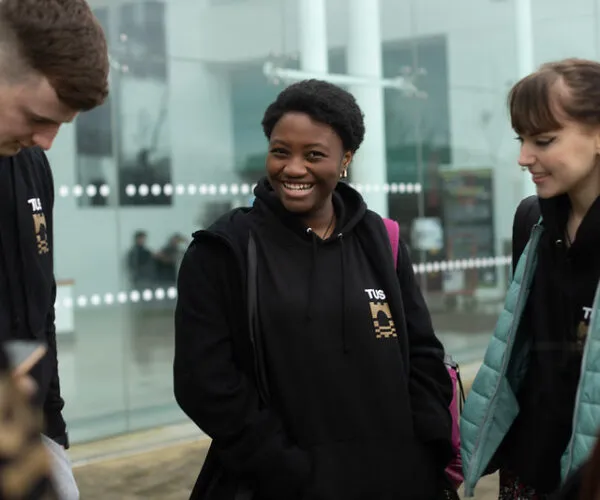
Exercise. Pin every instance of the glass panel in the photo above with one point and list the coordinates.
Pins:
(179, 142)
(453, 139)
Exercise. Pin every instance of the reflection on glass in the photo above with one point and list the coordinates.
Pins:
(179, 143)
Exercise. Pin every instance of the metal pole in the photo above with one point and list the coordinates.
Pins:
(525, 60)
(365, 60)
(313, 36)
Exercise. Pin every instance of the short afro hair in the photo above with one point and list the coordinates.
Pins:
(323, 102)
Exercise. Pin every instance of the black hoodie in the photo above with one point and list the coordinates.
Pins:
(27, 287)
(357, 403)
(556, 318)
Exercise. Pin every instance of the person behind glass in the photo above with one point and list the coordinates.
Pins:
(168, 258)
(299, 350)
(541, 406)
(140, 262)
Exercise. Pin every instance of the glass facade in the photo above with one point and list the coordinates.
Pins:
(179, 142)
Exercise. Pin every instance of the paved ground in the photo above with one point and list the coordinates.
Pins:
(167, 474)
(487, 489)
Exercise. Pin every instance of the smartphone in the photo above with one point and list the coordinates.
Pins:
(23, 355)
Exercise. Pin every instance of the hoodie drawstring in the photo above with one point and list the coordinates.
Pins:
(312, 285)
(345, 325)
(311, 274)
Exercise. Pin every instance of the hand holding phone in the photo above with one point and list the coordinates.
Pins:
(22, 356)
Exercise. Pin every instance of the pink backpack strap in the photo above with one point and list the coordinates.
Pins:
(393, 230)
(454, 468)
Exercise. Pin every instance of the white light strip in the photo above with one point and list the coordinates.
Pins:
(458, 265)
(120, 298)
(160, 294)
(145, 190)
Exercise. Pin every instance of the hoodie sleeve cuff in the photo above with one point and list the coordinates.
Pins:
(56, 429)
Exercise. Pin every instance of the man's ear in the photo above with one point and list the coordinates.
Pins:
(597, 140)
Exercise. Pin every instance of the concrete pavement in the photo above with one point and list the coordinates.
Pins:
(168, 473)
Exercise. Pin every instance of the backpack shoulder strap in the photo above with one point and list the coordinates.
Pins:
(253, 322)
(393, 230)
(528, 214)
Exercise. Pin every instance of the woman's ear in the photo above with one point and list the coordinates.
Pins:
(346, 160)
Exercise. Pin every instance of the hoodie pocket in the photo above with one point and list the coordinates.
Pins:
(373, 469)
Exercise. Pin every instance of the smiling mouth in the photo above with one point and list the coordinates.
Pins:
(537, 178)
(295, 186)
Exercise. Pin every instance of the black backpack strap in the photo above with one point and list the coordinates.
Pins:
(528, 215)
(254, 323)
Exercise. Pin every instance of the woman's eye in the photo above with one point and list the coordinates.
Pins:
(315, 155)
(278, 152)
(544, 142)
(540, 142)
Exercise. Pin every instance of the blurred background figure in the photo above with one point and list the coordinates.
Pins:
(140, 262)
(168, 260)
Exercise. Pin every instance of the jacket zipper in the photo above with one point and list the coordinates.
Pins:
(586, 352)
(511, 334)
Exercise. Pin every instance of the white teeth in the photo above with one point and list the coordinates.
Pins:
(297, 187)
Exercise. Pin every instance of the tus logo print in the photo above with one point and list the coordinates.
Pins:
(583, 327)
(383, 323)
(39, 226)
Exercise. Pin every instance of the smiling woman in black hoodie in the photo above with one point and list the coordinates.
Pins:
(307, 358)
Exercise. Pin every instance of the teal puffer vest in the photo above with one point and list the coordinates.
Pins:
(492, 407)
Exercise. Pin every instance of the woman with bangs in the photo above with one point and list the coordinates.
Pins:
(534, 408)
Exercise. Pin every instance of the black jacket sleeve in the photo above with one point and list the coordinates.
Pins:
(55, 427)
(430, 385)
(212, 389)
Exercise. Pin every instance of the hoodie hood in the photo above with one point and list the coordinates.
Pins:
(349, 208)
(348, 204)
